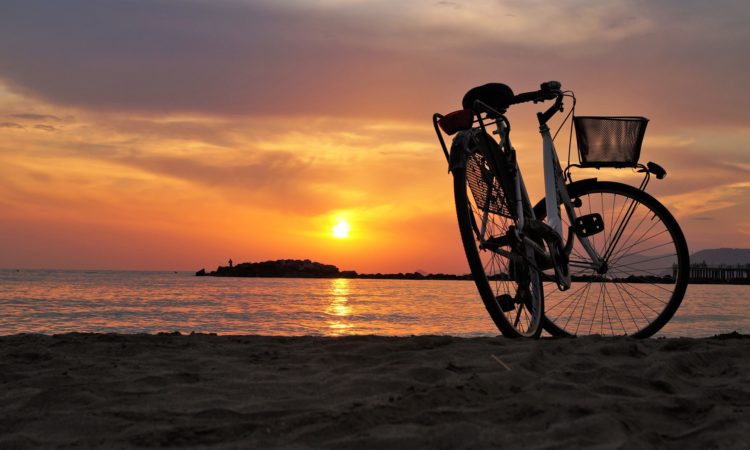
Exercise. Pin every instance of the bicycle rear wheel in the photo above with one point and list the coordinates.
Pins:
(509, 287)
(646, 273)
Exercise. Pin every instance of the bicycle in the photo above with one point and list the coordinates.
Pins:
(591, 257)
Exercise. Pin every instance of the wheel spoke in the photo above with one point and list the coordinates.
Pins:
(630, 294)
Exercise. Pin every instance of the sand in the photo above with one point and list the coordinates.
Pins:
(207, 391)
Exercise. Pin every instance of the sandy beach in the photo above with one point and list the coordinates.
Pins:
(194, 391)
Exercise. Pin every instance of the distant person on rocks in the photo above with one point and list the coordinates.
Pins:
(230, 263)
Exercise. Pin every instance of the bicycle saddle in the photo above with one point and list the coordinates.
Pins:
(497, 96)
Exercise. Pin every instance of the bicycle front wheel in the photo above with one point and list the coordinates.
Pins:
(645, 272)
(509, 287)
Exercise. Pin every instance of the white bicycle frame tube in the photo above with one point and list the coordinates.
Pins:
(551, 167)
(554, 190)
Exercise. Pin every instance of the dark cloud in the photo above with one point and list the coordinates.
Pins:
(229, 57)
(223, 57)
(48, 128)
(279, 182)
(11, 125)
(453, 5)
(37, 117)
(266, 174)
(218, 134)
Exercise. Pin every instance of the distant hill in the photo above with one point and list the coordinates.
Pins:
(717, 256)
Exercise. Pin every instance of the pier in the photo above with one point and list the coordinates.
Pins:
(703, 273)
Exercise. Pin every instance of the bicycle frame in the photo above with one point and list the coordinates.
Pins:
(555, 189)
(556, 192)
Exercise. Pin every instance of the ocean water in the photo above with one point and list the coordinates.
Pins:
(55, 301)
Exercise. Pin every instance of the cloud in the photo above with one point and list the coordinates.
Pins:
(224, 57)
(700, 202)
(35, 117)
(48, 128)
(11, 125)
(271, 173)
(303, 166)
(375, 58)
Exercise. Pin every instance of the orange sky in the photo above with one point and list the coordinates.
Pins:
(175, 135)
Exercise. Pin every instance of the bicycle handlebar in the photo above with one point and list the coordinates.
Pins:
(497, 97)
(549, 91)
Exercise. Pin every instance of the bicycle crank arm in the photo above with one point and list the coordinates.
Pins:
(543, 260)
(493, 243)
(557, 257)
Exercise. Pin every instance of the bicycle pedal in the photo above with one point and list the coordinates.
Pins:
(506, 302)
(493, 243)
(588, 225)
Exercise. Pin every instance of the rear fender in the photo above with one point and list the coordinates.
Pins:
(459, 151)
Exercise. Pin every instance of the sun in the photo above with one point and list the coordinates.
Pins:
(341, 230)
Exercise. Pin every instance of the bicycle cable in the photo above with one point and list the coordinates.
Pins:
(570, 113)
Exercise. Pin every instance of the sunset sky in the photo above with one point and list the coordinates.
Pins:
(174, 135)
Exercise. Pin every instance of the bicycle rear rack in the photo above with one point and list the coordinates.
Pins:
(477, 122)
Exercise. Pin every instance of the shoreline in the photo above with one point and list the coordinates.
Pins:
(405, 276)
(299, 268)
(451, 277)
(149, 390)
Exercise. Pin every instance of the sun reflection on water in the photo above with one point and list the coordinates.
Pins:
(339, 311)
(52, 302)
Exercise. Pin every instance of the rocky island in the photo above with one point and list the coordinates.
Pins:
(296, 268)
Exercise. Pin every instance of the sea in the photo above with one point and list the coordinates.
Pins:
(91, 301)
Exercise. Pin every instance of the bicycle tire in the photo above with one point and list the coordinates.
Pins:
(647, 271)
(497, 277)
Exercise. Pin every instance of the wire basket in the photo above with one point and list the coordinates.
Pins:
(609, 141)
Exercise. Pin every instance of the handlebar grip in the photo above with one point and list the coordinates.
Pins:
(549, 91)
(526, 97)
